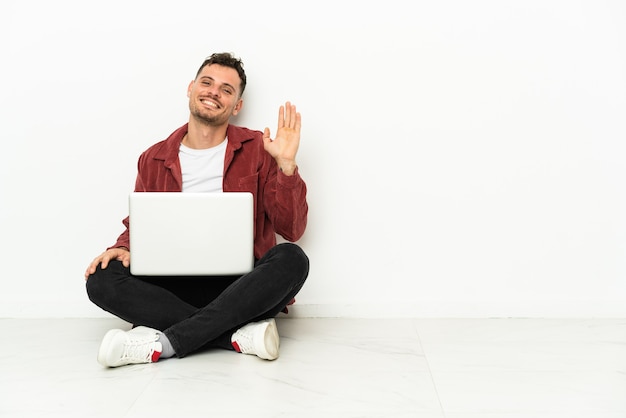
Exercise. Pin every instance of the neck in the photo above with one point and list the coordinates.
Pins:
(202, 136)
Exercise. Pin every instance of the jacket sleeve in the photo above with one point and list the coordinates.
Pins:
(124, 239)
(285, 203)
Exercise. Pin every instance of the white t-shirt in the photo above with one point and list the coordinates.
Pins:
(203, 169)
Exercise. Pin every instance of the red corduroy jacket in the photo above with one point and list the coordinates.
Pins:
(279, 200)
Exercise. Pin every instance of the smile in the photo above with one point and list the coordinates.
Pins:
(210, 103)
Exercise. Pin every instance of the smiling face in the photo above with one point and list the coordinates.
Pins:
(215, 95)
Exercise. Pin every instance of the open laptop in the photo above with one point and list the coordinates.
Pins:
(191, 234)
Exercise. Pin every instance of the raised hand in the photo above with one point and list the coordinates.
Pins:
(284, 146)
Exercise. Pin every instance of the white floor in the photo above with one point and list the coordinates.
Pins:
(492, 368)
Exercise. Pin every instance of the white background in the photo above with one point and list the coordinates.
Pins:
(463, 158)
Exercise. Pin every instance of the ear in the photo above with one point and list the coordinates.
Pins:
(238, 107)
(189, 87)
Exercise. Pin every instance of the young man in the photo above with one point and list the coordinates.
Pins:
(178, 316)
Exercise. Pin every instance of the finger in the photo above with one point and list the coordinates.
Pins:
(290, 112)
(287, 115)
(104, 262)
(91, 269)
(298, 125)
(266, 136)
(281, 117)
(294, 116)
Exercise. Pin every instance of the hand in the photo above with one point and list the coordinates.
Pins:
(120, 254)
(284, 146)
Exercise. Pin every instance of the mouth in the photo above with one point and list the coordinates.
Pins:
(210, 103)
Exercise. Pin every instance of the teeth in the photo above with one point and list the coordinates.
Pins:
(209, 103)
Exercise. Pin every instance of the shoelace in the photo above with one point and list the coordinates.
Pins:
(244, 341)
(139, 348)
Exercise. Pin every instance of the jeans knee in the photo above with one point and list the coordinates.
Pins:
(295, 258)
(96, 287)
(101, 284)
(93, 288)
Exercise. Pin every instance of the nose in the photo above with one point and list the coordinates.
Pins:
(213, 91)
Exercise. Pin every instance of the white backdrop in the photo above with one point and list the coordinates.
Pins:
(463, 158)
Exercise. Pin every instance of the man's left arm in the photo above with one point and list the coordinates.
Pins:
(289, 205)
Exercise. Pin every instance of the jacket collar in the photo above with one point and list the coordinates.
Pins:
(169, 151)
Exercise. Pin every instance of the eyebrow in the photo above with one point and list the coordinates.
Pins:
(212, 79)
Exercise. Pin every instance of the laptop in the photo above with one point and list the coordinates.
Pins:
(191, 234)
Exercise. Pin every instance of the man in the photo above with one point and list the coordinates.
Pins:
(179, 316)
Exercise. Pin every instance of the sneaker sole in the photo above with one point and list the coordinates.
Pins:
(271, 342)
(105, 345)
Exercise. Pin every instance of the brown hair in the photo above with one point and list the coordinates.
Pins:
(226, 59)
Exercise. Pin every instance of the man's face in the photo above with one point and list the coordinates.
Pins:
(214, 95)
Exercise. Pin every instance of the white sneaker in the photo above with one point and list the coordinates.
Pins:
(138, 345)
(258, 338)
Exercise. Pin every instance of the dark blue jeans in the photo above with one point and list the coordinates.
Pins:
(201, 312)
